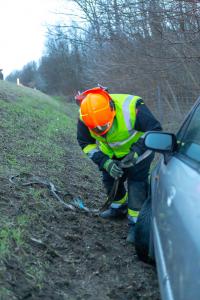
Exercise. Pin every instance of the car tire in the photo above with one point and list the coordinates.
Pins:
(143, 233)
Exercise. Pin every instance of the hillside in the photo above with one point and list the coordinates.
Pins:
(46, 250)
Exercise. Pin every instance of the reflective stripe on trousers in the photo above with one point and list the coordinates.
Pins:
(119, 203)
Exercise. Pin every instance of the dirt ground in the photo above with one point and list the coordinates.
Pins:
(50, 252)
(72, 255)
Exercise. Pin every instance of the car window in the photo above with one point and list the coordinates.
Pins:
(190, 138)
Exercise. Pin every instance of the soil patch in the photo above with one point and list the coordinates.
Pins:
(72, 255)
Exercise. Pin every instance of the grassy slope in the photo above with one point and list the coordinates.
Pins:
(31, 126)
(76, 258)
(33, 130)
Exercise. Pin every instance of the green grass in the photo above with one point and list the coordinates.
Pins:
(36, 274)
(6, 294)
(11, 234)
(33, 132)
(32, 127)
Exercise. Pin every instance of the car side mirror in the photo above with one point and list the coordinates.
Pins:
(160, 141)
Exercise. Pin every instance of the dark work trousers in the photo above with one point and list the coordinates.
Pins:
(137, 183)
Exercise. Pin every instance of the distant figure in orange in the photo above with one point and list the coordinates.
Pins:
(1, 74)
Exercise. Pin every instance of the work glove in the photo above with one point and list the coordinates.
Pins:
(129, 160)
(113, 168)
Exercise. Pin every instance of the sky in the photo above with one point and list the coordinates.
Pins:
(23, 29)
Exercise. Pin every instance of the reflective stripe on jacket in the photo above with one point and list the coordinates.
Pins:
(122, 135)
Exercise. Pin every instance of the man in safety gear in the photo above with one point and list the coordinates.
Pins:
(110, 131)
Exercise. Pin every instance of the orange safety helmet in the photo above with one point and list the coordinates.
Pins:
(97, 112)
(96, 90)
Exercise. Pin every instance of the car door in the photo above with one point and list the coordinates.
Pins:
(176, 215)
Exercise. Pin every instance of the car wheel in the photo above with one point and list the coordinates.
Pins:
(143, 233)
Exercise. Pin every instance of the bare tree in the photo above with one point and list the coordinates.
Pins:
(136, 46)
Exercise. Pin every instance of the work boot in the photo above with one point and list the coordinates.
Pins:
(131, 234)
(112, 213)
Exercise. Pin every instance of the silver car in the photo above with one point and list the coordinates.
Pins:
(168, 228)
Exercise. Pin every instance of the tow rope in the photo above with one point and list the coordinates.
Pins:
(77, 203)
(27, 179)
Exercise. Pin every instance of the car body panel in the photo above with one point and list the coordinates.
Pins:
(176, 224)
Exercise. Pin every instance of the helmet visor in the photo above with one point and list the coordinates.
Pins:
(101, 129)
